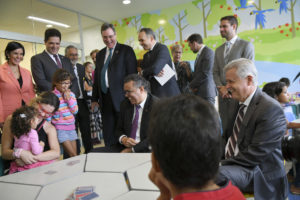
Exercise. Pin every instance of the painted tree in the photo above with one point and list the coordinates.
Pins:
(181, 18)
(283, 5)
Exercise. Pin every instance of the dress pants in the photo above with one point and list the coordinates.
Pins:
(109, 119)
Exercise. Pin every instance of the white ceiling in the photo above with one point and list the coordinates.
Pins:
(13, 13)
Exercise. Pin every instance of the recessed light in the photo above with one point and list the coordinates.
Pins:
(48, 21)
(49, 26)
(126, 2)
(161, 21)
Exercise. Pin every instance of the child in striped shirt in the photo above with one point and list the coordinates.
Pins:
(64, 119)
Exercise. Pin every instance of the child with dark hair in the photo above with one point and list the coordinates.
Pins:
(24, 121)
(63, 119)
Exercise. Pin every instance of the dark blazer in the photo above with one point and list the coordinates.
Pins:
(153, 62)
(259, 143)
(125, 122)
(81, 75)
(123, 63)
(203, 76)
(43, 68)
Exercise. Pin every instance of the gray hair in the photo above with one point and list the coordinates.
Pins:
(69, 47)
(244, 67)
(138, 81)
(148, 32)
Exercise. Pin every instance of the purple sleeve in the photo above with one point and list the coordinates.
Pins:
(36, 148)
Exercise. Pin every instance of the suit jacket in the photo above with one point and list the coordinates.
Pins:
(81, 76)
(240, 49)
(203, 77)
(153, 62)
(11, 95)
(43, 68)
(259, 141)
(123, 63)
(125, 122)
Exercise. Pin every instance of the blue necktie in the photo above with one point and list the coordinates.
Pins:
(103, 71)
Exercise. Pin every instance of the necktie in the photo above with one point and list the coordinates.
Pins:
(58, 63)
(135, 122)
(226, 53)
(236, 128)
(103, 72)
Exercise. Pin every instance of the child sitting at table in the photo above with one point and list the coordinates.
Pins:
(24, 121)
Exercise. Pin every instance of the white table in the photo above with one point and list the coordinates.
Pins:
(107, 185)
(10, 191)
(138, 195)
(48, 173)
(138, 178)
(115, 162)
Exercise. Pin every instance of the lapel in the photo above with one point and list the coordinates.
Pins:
(200, 57)
(49, 60)
(115, 55)
(145, 116)
(221, 54)
(249, 113)
(129, 115)
(232, 50)
(10, 75)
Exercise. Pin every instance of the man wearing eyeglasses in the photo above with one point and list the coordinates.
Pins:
(113, 64)
(82, 119)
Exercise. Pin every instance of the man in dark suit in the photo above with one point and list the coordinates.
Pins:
(153, 63)
(44, 65)
(83, 116)
(232, 49)
(252, 137)
(113, 64)
(132, 128)
(203, 83)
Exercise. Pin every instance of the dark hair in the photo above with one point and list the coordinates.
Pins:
(232, 20)
(48, 98)
(195, 38)
(286, 81)
(59, 76)
(106, 26)
(51, 32)
(185, 138)
(11, 46)
(138, 81)
(148, 31)
(273, 89)
(21, 120)
(69, 47)
(86, 64)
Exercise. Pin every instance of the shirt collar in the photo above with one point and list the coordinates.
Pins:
(201, 49)
(142, 104)
(248, 100)
(152, 46)
(232, 41)
(51, 55)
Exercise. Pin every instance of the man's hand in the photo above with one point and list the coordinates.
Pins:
(94, 105)
(158, 179)
(27, 157)
(161, 73)
(128, 142)
(224, 92)
(127, 150)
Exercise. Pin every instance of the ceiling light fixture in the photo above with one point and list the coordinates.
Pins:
(161, 21)
(126, 2)
(49, 25)
(48, 21)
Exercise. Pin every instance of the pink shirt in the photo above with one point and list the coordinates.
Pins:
(29, 142)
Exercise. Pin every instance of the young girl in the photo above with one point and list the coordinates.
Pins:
(63, 119)
(95, 116)
(24, 121)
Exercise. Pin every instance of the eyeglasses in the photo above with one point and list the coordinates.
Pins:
(66, 83)
(47, 114)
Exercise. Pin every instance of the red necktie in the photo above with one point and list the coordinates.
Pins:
(57, 61)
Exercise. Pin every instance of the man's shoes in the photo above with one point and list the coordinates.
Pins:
(295, 190)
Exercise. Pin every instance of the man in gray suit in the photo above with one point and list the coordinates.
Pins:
(232, 49)
(252, 139)
(44, 65)
(202, 83)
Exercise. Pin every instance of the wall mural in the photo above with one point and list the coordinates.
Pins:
(271, 25)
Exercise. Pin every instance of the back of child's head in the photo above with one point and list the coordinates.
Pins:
(22, 119)
(59, 76)
(273, 89)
